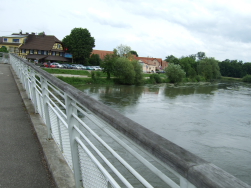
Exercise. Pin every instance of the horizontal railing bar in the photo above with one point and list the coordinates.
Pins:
(133, 152)
(103, 158)
(115, 154)
(136, 155)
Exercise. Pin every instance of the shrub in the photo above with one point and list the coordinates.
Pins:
(155, 78)
(247, 78)
(175, 73)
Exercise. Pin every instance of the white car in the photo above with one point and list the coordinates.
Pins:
(58, 65)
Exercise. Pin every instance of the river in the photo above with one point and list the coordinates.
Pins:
(211, 120)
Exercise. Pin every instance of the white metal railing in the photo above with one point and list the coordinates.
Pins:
(102, 147)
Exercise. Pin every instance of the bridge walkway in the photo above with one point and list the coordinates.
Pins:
(21, 157)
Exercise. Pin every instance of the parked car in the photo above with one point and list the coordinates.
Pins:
(82, 67)
(50, 65)
(76, 66)
(97, 68)
(67, 66)
(89, 68)
(57, 65)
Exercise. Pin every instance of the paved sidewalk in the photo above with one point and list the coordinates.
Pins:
(21, 158)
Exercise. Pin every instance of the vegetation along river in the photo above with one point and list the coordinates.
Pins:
(212, 121)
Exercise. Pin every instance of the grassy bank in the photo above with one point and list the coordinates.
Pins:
(82, 81)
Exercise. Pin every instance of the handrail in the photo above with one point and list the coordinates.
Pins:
(192, 170)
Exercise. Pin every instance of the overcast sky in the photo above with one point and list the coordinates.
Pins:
(155, 28)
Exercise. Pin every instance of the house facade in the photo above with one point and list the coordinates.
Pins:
(13, 42)
(42, 48)
(150, 65)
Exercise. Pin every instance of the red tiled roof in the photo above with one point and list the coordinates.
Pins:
(148, 58)
(101, 53)
(40, 42)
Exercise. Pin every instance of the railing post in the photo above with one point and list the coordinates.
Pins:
(71, 121)
(44, 87)
(33, 89)
(184, 183)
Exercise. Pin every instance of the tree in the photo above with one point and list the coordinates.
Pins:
(134, 53)
(108, 64)
(172, 59)
(95, 60)
(124, 71)
(209, 68)
(138, 79)
(189, 65)
(80, 44)
(123, 50)
(175, 73)
(201, 55)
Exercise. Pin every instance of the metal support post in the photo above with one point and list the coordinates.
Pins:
(44, 86)
(33, 90)
(71, 121)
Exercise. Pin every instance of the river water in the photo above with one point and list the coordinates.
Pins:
(212, 121)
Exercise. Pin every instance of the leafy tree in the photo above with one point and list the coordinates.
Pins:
(172, 59)
(175, 73)
(3, 49)
(41, 33)
(124, 71)
(80, 44)
(189, 65)
(201, 55)
(123, 50)
(108, 64)
(209, 68)
(95, 60)
(138, 79)
(134, 53)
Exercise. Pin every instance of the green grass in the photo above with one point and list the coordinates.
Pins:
(82, 81)
(67, 71)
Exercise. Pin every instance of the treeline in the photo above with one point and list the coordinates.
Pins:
(198, 67)
(234, 68)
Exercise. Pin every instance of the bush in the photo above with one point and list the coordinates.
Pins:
(175, 73)
(247, 78)
(155, 78)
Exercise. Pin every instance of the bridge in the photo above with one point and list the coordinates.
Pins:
(87, 144)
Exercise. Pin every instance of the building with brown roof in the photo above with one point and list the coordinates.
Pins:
(151, 64)
(101, 53)
(42, 48)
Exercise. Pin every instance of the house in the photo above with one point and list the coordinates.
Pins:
(42, 48)
(13, 42)
(151, 64)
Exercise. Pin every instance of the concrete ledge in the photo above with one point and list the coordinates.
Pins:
(58, 167)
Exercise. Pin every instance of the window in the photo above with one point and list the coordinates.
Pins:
(31, 51)
(39, 51)
(42, 52)
(59, 45)
(15, 40)
(61, 53)
(5, 40)
(23, 51)
(53, 53)
(45, 52)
